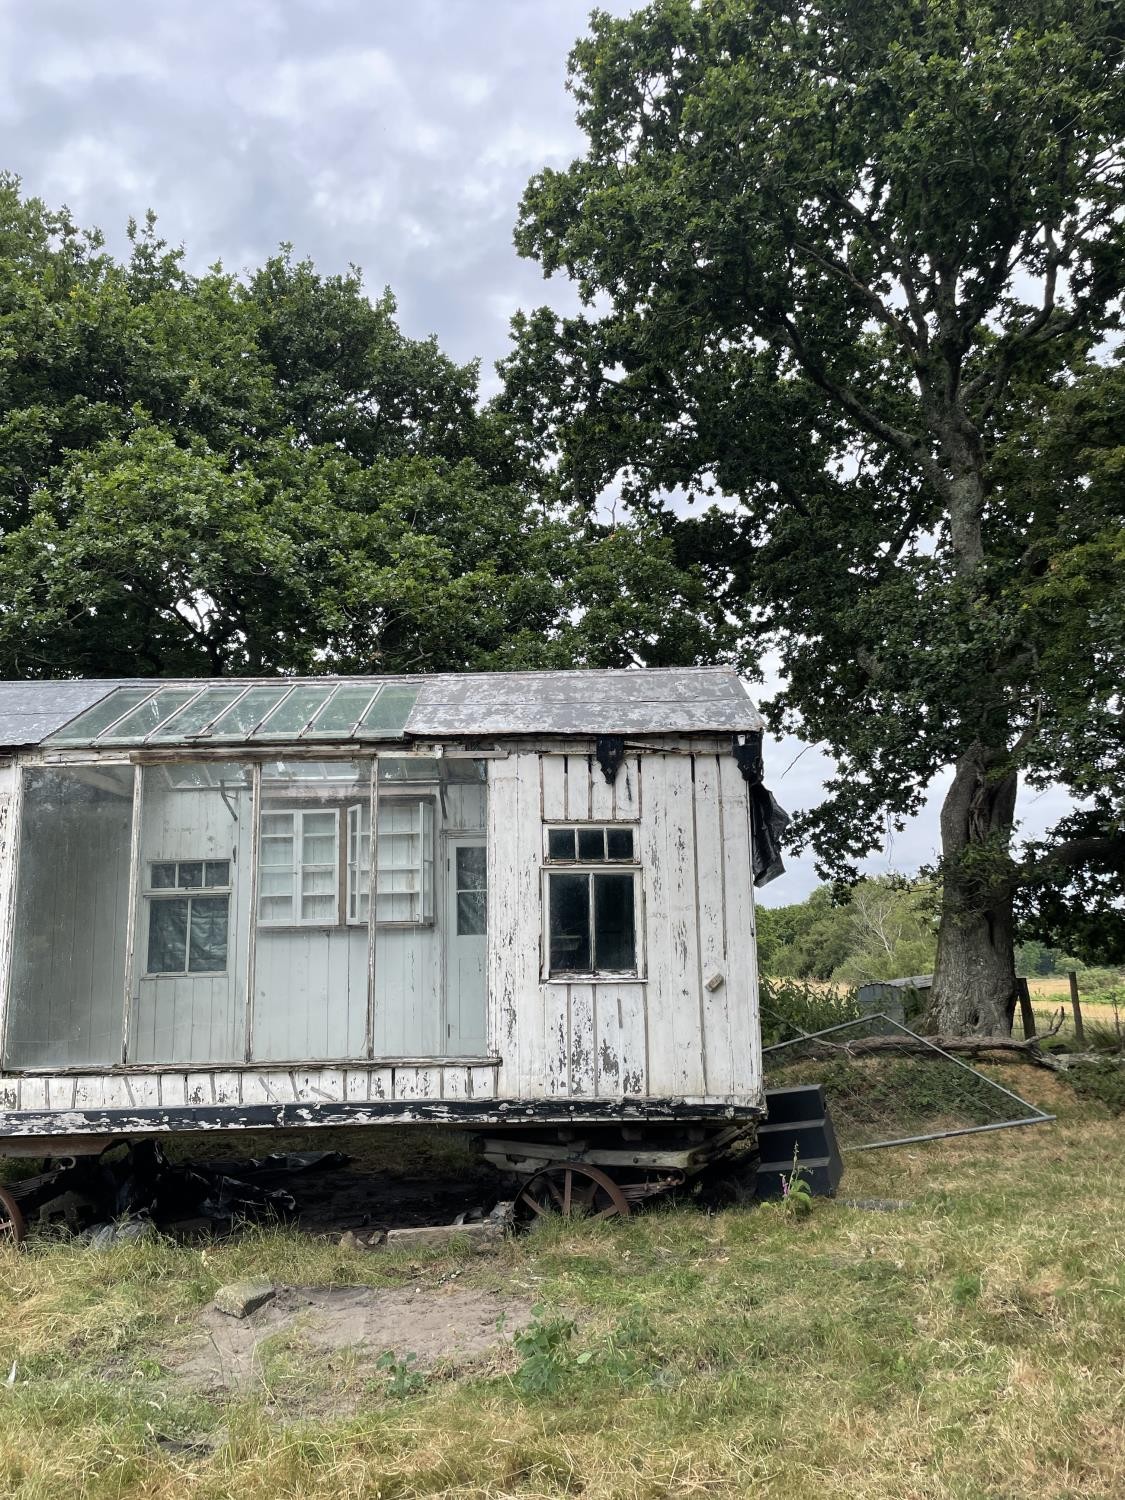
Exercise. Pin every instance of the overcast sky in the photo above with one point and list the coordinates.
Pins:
(397, 137)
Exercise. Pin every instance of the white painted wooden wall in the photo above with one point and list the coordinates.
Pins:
(666, 1036)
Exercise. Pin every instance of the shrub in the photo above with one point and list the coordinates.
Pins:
(793, 1006)
(1103, 1081)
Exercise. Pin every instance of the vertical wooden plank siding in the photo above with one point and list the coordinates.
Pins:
(554, 773)
(582, 1048)
(710, 901)
(7, 877)
(741, 987)
(665, 1034)
(514, 794)
(600, 791)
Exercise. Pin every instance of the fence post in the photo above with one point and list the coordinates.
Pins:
(1026, 1011)
(1076, 1007)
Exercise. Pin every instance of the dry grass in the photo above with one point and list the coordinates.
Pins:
(970, 1346)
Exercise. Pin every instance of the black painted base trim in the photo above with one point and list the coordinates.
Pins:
(19, 1124)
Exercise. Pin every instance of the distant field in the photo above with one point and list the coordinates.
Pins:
(965, 1345)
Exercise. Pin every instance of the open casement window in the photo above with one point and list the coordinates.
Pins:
(592, 899)
(299, 871)
(404, 859)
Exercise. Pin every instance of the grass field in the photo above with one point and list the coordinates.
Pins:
(969, 1345)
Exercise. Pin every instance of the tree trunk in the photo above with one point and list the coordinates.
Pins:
(975, 972)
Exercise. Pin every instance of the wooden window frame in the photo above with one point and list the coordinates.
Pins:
(552, 866)
(165, 893)
(296, 919)
(427, 839)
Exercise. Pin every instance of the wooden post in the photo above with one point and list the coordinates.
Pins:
(1025, 1008)
(1076, 1007)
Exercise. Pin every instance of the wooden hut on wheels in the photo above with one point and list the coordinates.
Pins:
(519, 903)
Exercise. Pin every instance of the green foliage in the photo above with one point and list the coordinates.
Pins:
(207, 474)
(791, 1007)
(796, 1191)
(1103, 1082)
(403, 1378)
(876, 929)
(855, 267)
(1035, 959)
(545, 1356)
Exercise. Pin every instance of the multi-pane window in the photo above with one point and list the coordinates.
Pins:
(188, 904)
(404, 860)
(300, 875)
(299, 868)
(592, 905)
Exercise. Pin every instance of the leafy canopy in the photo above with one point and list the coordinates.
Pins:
(203, 474)
(859, 268)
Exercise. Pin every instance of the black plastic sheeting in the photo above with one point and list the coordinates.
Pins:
(768, 821)
(138, 1182)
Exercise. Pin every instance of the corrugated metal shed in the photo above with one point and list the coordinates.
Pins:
(653, 701)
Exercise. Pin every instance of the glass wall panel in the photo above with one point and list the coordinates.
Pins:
(67, 991)
(311, 944)
(193, 904)
(430, 907)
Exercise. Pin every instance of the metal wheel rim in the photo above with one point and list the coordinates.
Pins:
(571, 1188)
(12, 1224)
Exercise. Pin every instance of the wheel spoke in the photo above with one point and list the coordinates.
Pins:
(573, 1189)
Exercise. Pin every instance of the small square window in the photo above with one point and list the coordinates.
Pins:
(163, 877)
(619, 843)
(560, 843)
(591, 843)
(190, 874)
(216, 872)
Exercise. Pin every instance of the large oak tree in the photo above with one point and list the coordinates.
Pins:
(858, 267)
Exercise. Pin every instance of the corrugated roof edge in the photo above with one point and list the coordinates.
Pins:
(31, 711)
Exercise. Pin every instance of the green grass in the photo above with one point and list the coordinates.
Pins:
(970, 1346)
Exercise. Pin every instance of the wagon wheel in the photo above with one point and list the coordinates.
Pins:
(573, 1189)
(12, 1224)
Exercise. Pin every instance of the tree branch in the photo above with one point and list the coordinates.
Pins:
(905, 443)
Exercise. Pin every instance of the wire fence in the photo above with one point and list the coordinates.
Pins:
(888, 1086)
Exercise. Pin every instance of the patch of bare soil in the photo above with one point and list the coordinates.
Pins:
(448, 1325)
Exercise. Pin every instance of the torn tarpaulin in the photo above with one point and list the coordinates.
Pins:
(768, 821)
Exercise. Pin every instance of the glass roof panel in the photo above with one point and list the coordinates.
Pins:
(194, 717)
(388, 714)
(86, 726)
(229, 712)
(148, 715)
(291, 716)
(339, 716)
(236, 722)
